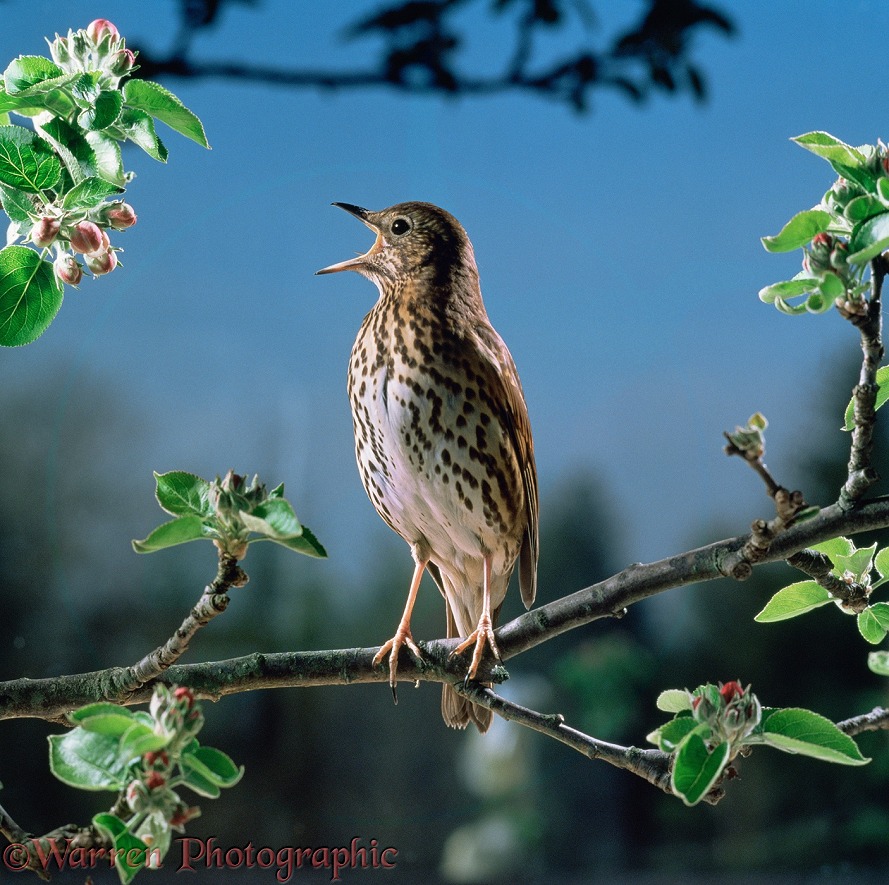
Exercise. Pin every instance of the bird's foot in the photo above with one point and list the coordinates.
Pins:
(481, 636)
(392, 647)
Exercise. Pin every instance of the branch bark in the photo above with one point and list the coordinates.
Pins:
(52, 698)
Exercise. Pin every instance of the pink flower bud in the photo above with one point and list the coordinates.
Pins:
(122, 62)
(45, 231)
(68, 269)
(100, 28)
(101, 262)
(822, 239)
(120, 215)
(154, 779)
(86, 237)
(183, 693)
(731, 690)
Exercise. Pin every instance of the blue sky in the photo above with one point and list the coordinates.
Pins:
(619, 256)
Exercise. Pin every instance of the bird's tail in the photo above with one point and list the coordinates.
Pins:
(456, 710)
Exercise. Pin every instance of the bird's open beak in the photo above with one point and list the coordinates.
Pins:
(358, 262)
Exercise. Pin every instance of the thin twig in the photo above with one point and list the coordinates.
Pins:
(854, 597)
(868, 319)
(653, 766)
(214, 601)
(876, 720)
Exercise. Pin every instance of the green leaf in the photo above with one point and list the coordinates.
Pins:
(671, 735)
(883, 189)
(87, 760)
(790, 310)
(305, 543)
(16, 204)
(796, 599)
(869, 239)
(788, 289)
(847, 161)
(195, 778)
(873, 622)
(273, 518)
(26, 161)
(674, 700)
(109, 164)
(878, 662)
(859, 562)
(138, 740)
(834, 547)
(73, 149)
(832, 287)
(30, 295)
(183, 494)
(830, 148)
(90, 192)
(107, 719)
(103, 112)
(138, 127)
(163, 105)
(798, 231)
(870, 628)
(214, 765)
(131, 853)
(696, 769)
(180, 530)
(882, 395)
(28, 70)
(881, 562)
(864, 207)
(802, 731)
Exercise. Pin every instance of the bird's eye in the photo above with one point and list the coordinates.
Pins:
(400, 226)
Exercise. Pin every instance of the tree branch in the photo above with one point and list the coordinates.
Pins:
(876, 720)
(651, 765)
(866, 316)
(854, 596)
(52, 698)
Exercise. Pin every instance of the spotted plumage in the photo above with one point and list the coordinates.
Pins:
(442, 436)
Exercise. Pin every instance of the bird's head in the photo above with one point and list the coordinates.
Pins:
(414, 240)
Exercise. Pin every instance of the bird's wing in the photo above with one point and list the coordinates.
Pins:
(507, 388)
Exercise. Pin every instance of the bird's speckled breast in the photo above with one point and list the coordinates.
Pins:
(428, 444)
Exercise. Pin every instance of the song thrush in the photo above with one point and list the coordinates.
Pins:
(442, 435)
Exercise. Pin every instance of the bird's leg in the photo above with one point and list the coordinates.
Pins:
(403, 633)
(484, 632)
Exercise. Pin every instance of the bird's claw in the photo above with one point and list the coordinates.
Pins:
(392, 647)
(481, 636)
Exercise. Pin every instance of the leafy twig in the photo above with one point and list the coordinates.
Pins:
(749, 443)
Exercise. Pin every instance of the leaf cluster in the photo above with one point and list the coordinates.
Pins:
(62, 169)
(713, 724)
(146, 757)
(230, 512)
(839, 236)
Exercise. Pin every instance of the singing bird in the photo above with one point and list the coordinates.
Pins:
(442, 435)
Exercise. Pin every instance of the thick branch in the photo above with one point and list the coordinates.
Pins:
(53, 698)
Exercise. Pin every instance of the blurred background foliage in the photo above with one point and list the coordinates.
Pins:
(326, 765)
